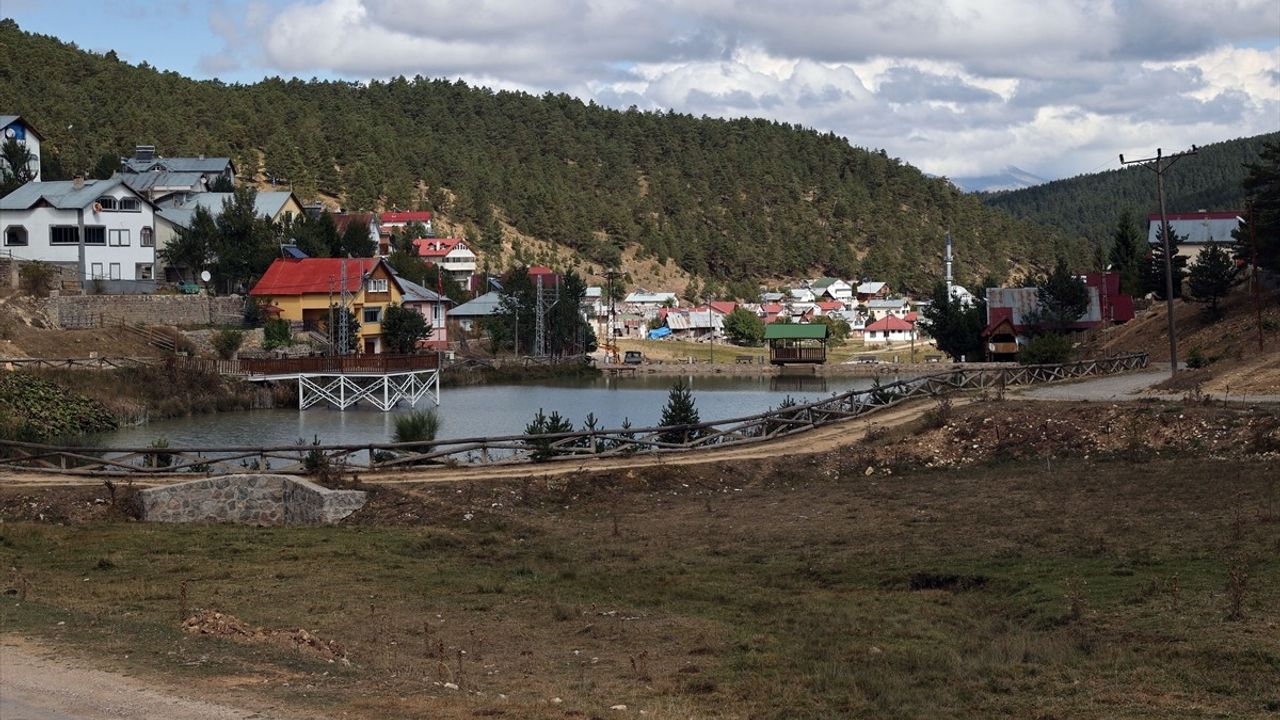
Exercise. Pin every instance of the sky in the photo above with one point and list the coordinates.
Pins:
(955, 87)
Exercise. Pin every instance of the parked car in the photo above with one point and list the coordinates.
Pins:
(633, 357)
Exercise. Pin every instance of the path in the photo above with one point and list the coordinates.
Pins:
(36, 685)
(1126, 387)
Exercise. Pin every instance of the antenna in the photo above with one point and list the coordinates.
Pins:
(544, 305)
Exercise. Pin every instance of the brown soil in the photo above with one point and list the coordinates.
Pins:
(217, 624)
(25, 331)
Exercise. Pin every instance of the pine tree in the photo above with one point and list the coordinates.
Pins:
(1262, 186)
(1128, 254)
(1211, 277)
(679, 410)
(1155, 281)
(1063, 299)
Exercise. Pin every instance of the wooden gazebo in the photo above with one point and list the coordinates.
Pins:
(791, 343)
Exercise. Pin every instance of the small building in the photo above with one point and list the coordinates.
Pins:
(302, 290)
(1001, 339)
(794, 343)
(888, 330)
(879, 308)
(828, 307)
(394, 220)
(872, 290)
(642, 300)
(101, 228)
(1018, 308)
(452, 255)
(1198, 228)
(13, 127)
(434, 307)
(465, 319)
(156, 177)
(832, 288)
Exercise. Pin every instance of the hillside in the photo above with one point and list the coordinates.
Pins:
(724, 199)
(1090, 205)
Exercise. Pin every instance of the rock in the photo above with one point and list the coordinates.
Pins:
(617, 707)
(451, 686)
(556, 701)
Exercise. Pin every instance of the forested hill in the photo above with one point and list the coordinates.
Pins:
(725, 199)
(1090, 205)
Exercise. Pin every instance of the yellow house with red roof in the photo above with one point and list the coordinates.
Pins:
(301, 291)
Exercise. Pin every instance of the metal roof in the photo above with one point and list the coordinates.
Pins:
(413, 292)
(870, 288)
(1197, 228)
(795, 331)
(61, 194)
(266, 204)
(178, 164)
(147, 182)
(887, 303)
(483, 306)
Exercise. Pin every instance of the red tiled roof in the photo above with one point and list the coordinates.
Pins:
(830, 305)
(287, 276)
(912, 316)
(890, 322)
(771, 308)
(540, 270)
(435, 247)
(724, 307)
(407, 216)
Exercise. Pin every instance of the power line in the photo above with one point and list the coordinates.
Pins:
(1159, 165)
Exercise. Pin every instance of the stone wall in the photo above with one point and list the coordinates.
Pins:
(255, 499)
(72, 311)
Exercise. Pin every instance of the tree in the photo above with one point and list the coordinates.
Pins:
(1128, 253)
(222, 184)
(744, 327)
(356, 242)
(316, 236)
(15, 166)
(192, 249)
(1155, 266)
(1211, 277)
(246, 242)
(1047, 349)
(1063, 299)
(402, 328)
(679, 410)
(837, 328)
(544, 424)
(1262, 190)
(956, 328)
(108, 164)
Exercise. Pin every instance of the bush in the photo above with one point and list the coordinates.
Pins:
(1046, 350)
(544, 424)
(275, 334)
(416, 426)
(36, 278)
(227, 342)
(1196, 359)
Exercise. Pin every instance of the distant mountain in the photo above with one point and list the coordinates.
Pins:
(1011, 178)
(729, 200)
(1090, 205)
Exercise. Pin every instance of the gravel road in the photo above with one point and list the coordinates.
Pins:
(1130, 386)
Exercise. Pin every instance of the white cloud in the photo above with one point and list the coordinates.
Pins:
(957, 87)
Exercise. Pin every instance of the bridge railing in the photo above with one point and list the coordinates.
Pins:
(515, 449)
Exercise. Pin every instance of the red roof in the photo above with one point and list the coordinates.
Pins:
(912, 316)
(829, 305)
(890, 322)
(342, 220)
(408, 216)
(435, 247)
(288, 276)
(540, 270)
(771, 308)
(1217, 215)
(724, 307)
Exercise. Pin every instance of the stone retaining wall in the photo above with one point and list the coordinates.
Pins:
(86, 310)
(254, 499)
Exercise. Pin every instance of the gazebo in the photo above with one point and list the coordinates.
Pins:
(793, 343)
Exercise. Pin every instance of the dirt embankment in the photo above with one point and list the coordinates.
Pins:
(1229, 343)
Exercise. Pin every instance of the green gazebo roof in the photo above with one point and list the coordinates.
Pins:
(795, 331)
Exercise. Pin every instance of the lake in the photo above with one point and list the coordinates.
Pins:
(491, 410)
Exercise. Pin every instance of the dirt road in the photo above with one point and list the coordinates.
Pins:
(1129, 386)
(35, 685)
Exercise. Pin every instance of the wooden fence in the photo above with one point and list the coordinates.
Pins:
(514, 449)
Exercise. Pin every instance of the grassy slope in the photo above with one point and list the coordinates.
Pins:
(722, 592)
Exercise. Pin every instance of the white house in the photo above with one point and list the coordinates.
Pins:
(210, 169)
(13, 127)
(881, 307)
(642, 300)
(832, 288)
(101, 227)
(452, 255)
(1195, 229)
(887, 330)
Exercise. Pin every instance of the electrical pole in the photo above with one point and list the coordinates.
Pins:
(1257, 298)
(611, 349)
(1158, 165)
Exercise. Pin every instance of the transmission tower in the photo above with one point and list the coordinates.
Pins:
(545, 302)
(344, 299)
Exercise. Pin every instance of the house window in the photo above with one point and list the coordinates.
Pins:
(144, 271)
(119, 238)
(95, 271)
(95, 235)
(115, 271)
(378, 285)
(435, 312)
(374, 314)
(106, 202)
(130, 204)
(64, 235)
(147, 237)
(15, 235)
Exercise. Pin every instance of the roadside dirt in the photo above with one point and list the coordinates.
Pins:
(37, 685)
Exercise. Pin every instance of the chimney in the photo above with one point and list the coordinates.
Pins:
(144, 152)
(78, 182)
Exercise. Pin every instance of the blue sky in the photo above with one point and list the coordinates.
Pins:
(956, 87)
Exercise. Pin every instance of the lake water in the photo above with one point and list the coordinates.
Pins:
(490, 410)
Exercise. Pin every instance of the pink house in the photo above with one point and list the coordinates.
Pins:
(434, 307)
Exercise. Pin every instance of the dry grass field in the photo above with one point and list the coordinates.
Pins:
(852, 583)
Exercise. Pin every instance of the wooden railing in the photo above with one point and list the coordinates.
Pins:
(797, 354)
(514, 449)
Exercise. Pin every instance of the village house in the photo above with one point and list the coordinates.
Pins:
(1011, 312)
(157, 178)
(450, 254)
(645, 303)
(101, 229)
(832, 289)
(1194, 230)
(392, 221)
(879, 308)
(301, 290)
(176, 213)
(465, 320)
(13, 127)
(888, 330)
(872, 290)
(433, 307)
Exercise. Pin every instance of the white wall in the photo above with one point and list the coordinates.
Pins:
(127, 257)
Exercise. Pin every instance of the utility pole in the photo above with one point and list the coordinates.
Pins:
(1257, 297)
(1158, 165)
(611, 350)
